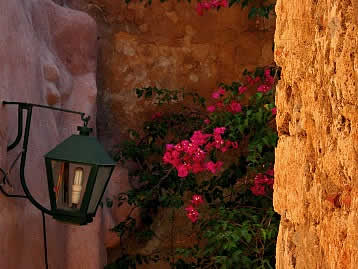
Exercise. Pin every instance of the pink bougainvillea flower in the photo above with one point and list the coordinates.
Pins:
(219, 105)
(193, 216)
(157, 115)
(215, 3)
(274, 111)
(242, 89)
(215, 95)
(169, 147)
(206, 5)
(219, 130)
(220, 92)
(207, 121)
(201, 6)
(260, 182)
(189, 208)
(175, 154)
(214, 167)
(199, 9)
(198, 167)
(197, 200)
(260, 179)
(182, 171)
(199, 138)
(270, 172)
(270, 182)
(234, 145)
(263, 88)
(192, 213)
(185, 144)
(269, 81)
(209, 146)
(199, 155)
(235, 107)
(251, 81)
(267, 72)
(211, 108)
(258, 190)
(218, 142)
(167, 158)
(226, 146)
(178, 147)
(219, 164)
(211, 167)
(225, 3)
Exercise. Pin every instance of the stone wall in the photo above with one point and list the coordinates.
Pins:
(47, 56)
(168, 45)
(316, 169)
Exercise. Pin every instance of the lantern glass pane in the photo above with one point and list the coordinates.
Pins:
(102, 177)
(70, 181)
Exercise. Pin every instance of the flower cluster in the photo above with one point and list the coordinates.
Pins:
(190, 155)
(268, 82)
(220, 92)
(261, 181)
(218, 142)
(233, 107)
(191, 210)
(201, 6)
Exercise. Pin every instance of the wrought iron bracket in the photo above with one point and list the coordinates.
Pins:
(23, 154)
(26, 134)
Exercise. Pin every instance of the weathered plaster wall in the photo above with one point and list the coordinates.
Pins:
(316, 169)
(47, 56)
(168, 45)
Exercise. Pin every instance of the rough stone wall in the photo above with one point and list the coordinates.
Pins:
(47, 56)
(168, 45)
(316, 169)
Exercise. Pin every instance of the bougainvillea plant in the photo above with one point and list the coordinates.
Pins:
(213, 161)
(257, 8)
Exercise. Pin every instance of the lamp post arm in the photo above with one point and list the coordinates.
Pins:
(27, 105)
(23, 164)
(19, 130)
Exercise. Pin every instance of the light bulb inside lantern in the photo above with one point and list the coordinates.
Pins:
(77, 186)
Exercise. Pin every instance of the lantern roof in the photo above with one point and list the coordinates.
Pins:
(81, 149)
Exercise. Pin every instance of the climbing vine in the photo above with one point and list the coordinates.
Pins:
(212, 160)
(257, 8)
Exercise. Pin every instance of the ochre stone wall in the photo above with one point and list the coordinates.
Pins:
(316, 169)
(168, 45)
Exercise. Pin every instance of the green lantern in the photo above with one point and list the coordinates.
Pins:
(78, 171)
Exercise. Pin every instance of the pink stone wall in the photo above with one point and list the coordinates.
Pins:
(47, 56)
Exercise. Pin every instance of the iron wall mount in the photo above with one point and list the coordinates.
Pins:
(23, 154)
